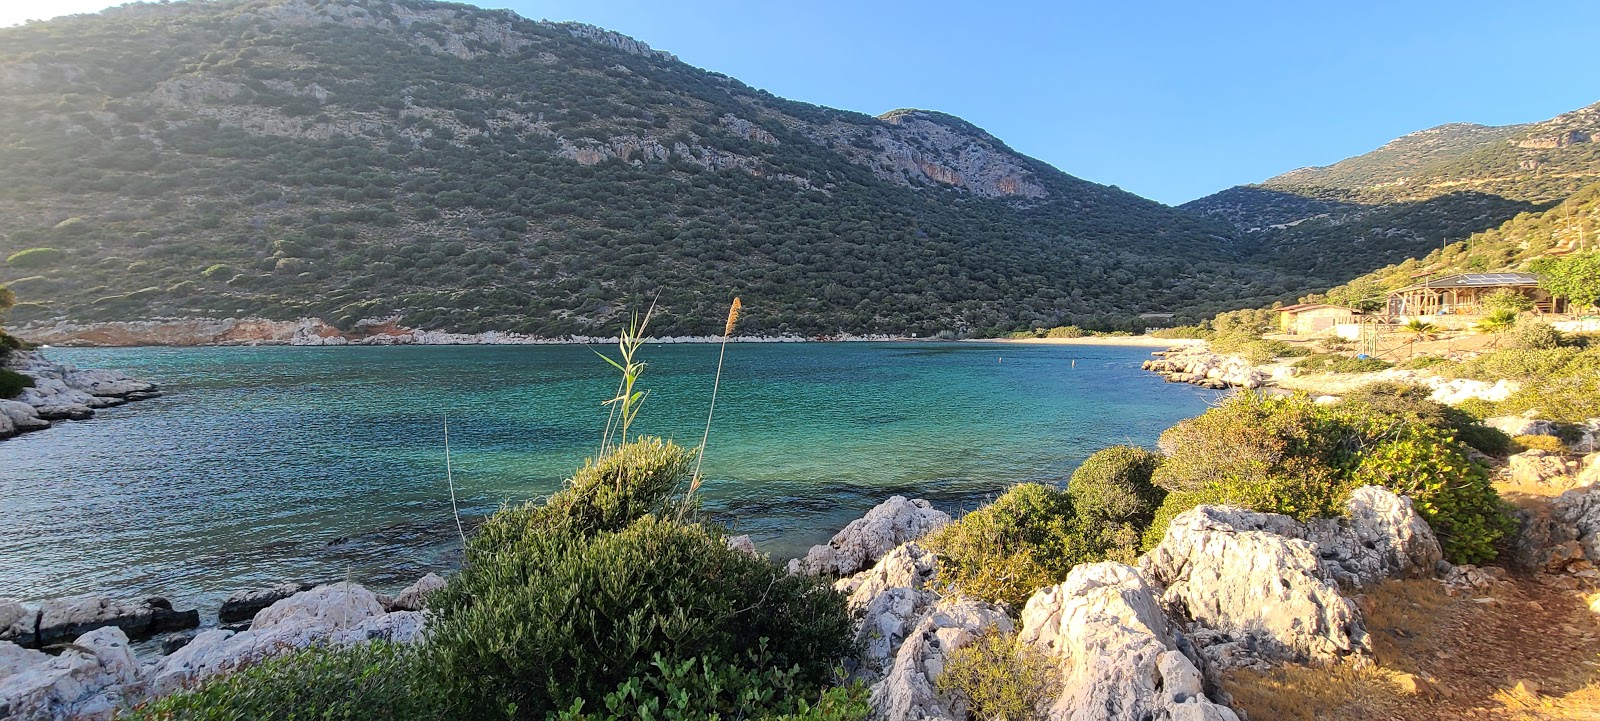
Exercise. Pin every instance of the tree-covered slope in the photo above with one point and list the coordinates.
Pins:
(467, 169)
(1414, 194)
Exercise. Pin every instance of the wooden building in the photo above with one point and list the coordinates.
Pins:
(1462, 295)
(1312, 318)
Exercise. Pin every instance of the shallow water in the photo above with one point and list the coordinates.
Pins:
(267, 464)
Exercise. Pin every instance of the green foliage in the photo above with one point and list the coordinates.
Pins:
(1025, 540)
(369, 681)
(1419, 330)
(1574, 277)
(1506, 299)
(35, 258)
(1339, 363)
(701, 689)
(1066, 331)
(1253, 348)
(1413, 404)
(1496, 322)
(1451, 493)
(1568, 399)
(1000, 678)
(11, 382)
(1114, 485)
(1183, 331)
(1422, 361)
(8, 298)
(1536, 335)
(1528, 366)
(1548, 444)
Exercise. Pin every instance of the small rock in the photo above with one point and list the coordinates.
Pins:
(866, 539)
(415, 596)
(243, 605)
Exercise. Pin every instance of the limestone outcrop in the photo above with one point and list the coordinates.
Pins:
(1117, 658)
(909, 689)
(868, 538)
(1542, 468)
(243, 605)
(887, 600)
(415, 596)
(1197, 365)
(62, 391)
(1380, 537)
(59, 620)
(1254, 576)
(91, 680)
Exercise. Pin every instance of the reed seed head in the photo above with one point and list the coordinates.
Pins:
(733, 316)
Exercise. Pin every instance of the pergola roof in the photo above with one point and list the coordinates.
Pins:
(1477, 280)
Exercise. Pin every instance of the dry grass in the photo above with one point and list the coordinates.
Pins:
(1524, 651)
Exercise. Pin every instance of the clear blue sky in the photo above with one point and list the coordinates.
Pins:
(1171, 100)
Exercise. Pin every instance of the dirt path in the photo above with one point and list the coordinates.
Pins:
(1524, 651)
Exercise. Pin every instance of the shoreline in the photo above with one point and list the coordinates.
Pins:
(1136, 341)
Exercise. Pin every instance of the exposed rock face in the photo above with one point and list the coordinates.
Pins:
(888, 600)
(744, 543)
(909, 691)
(1195, 364)
(1382, 537)
(243, 605)
(935, 149)
(340, 613)
(1521, 426)
(60, 619)
(89, 681)
(1252, 575)
(866, 539)
(1542, 468)
(1116, 656)
(19, 623)
(1578, 513)
(415, 596)
(62, 391)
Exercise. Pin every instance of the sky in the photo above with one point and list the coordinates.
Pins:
(1170, 100)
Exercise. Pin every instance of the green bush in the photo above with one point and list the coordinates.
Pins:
(704, 690)
(1450, 492)
(572, 599)
(370, 681)
(1025, 540)
(1066, 331)
(1113, 485)
(1422, 361)
(1175, 504)
(1569, 400)
(1339, 363)
(1414, 403)
(34, 258)
(12, 382)
(1183, 331)
(1000, 678)
(1535, 335)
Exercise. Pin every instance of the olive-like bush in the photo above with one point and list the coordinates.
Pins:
(1114, 499)
(12, 383)
(1414, 403)
(700, 689)
(611, 578)
(1027, 539)
(1548, 444)
(34, 258)
(1339, 363)
(1451, 493)
(1000, 678)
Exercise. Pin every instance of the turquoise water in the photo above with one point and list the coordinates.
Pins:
(267, 464)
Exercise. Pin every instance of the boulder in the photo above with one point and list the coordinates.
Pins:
(1381, 537)
(887, 600)
(65, 618)
(1521, 426)
(18, 417)
(93, 678)
(243, 605)
(907, 566)
(19, 623)
(1590, 475)
(1253, 576)
(1542, 468)
(1578, 514)
(866, 539)
(1588, 436)
(415, 596)
(340, 613)
(1116, 658)
(743, 543)
(909, 689)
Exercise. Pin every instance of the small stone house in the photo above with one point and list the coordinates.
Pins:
(1312, 318)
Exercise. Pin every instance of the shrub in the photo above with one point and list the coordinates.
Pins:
(8, 298)
(1413, 403)
(1506, 299)
(12, 382)
(1026, 540)
(1536, 335)
(1114, 485)
(1450, 492)
(1548, 444)
(1175, 504)
(34, 258)
(369, 681)
(1000, 678)
(1182, 331)
(1422, 361)
(1339, 363)
(1569, 400)
(1066, 331)
(704, 690)
(1282, 454)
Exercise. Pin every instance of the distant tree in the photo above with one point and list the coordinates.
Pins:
(1574, 277)
(1507, 299)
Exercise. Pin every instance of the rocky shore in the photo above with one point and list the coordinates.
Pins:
(1197, 364)
(64, 392)
(315, 332)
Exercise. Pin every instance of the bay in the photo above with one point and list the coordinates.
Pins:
(273, 463)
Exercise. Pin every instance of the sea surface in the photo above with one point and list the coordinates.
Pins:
(261, 465)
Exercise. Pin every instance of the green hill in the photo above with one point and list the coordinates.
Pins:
(467, 170)
(1414, 194)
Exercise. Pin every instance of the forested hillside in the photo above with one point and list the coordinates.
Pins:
(1414, 194)
(468, 170)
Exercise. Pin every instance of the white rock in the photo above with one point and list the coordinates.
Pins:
(1116, 658)
(1578, 510)
(909, 690)
(1521, 426)
(1251, 575)
(887, 600)
(866, 539)
(415, 596)
(1380, 537)
(91, 680)
(743, 543)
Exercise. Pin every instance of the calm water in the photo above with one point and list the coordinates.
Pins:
(266, 464)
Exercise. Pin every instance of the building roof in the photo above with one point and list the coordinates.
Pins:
(1477, 280)
(1303, 307)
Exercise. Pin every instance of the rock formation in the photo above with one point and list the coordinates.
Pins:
(1542, 468)
(1116, 656)
(63, 619)
(909, 690)
(1198, 365)
(866, 539)
(63, 391)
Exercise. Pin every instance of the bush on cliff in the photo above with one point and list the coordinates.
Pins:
(579, 597)
(1114, 499)
(12, 383)
(1027, 539)
(1290, 455)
